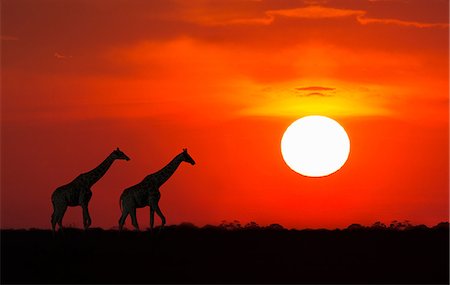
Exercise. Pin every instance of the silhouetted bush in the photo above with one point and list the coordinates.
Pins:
(187, 225)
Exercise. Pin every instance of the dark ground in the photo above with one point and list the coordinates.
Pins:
(181, 254)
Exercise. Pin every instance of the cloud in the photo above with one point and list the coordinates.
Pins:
(366, 20)
(315, 2)
(315, 12)
(61, 56)
(404, 1)
(322, 12)
(308, 12)
(316, 94)
(250, 21)
(315, 88)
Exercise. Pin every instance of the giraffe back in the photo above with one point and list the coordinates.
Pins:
(72, 194)
(139, 195)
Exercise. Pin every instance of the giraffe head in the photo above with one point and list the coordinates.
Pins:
(187, 157)
(118, 154)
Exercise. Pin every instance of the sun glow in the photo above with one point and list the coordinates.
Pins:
(315, 146)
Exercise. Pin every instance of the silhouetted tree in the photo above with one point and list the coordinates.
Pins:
(355, 227)
(234, 225)
(210, 227)
(396, 225)
(276, 227)
(379, 226)
(251, 225)
(392, 224)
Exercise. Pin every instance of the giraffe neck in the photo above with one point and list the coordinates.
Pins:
(95, 174)
(167, 171)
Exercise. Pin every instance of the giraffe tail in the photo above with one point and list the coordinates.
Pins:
(120, 204)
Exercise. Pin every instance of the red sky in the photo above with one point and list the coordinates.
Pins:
(225, 79)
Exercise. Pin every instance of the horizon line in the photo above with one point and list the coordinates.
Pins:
(253, 225)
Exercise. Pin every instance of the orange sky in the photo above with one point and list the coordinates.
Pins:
(225, 79)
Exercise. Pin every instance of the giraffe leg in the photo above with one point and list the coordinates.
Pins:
(160, 214)
(53, 219)
(59, 215)
(152, 217)
(86, 217)
(133, 219)
(123, 218)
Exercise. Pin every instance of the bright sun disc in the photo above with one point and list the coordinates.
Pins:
(315, 146)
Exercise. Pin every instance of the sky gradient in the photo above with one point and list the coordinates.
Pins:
(225, 79)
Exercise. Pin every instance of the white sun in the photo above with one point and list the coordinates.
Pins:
(315, 146)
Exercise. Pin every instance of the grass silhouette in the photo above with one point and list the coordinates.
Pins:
(229, 253)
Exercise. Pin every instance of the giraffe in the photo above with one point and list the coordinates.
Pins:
(78, 192)
(146, 193)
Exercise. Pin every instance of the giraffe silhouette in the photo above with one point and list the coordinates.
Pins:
(146, 193)
(78, 192)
